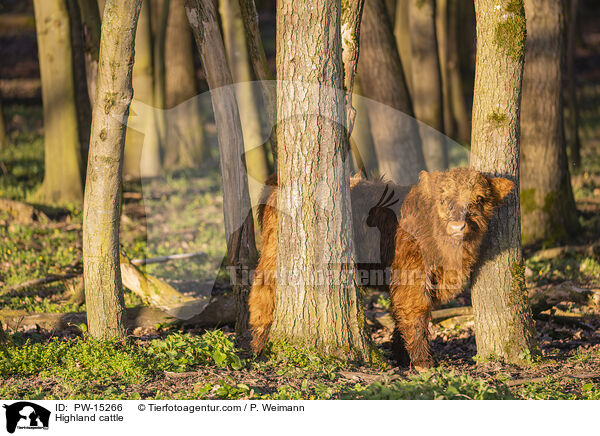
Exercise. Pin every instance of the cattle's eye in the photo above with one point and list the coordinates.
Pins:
(480, 199)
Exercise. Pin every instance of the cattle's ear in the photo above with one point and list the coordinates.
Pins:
(425, 180)
(502, 187)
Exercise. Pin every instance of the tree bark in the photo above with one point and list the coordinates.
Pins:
(402, 37)
(504, 326)
(549, 214)
(318, 306)
(361, 139)
(395, 131)
(574, 142)
(427, 91)
(239, 228)
(142, 149)
(101, 265)
(237, 54)
(62, 161)
(185, 129)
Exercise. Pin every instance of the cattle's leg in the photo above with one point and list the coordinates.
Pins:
(411, 307)
(261, 302)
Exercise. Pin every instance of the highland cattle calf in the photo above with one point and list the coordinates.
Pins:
(430, 234)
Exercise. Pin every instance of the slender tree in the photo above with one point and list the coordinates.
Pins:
(62, 157)
(239, 228)
(318, 305)
(504, 326)
(457, 101)
(143, 142)
(239, 62)
(185, 130)
(90, 25)
(158, 58)
(548, 208)
(3, 135)
(261, 67)
(402, 36)
(396, 138)
(574, 142)
(427, 91)
(101, 265)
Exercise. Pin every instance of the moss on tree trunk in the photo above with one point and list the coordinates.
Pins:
(504, 326)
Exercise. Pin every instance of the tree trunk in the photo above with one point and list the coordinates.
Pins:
(350, 30)
(402, 36)
(261, 67)
(237, 54)
(3, 135)
(62, 162)
(318, 306)
(457, 99)
(159, 37)
(142, 148)
(185, 128)
(504, 326)
(574, 142)
(90, 23)
(82, 98)
(395, 132)
(101, 265)
(239, 228)
(361, 139)
(548, 209)
(427, 91)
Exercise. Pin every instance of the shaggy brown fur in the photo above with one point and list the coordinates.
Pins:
(431, 249)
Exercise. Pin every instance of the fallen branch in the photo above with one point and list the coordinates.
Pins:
(544, 298)
(22, 213)
(163, 259)
(551, 253)
(216, 312)
(150, 289)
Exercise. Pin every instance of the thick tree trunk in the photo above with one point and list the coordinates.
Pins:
(185, 129)
(574, 143)
(101, 265)
(62, 174)
(504, 326)
(318, 305)
(90, 24)
(548, 209)
(395, 132)
(237, 54)
(239, 228)
(142, 148)
(427, 91)
(402, 36)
